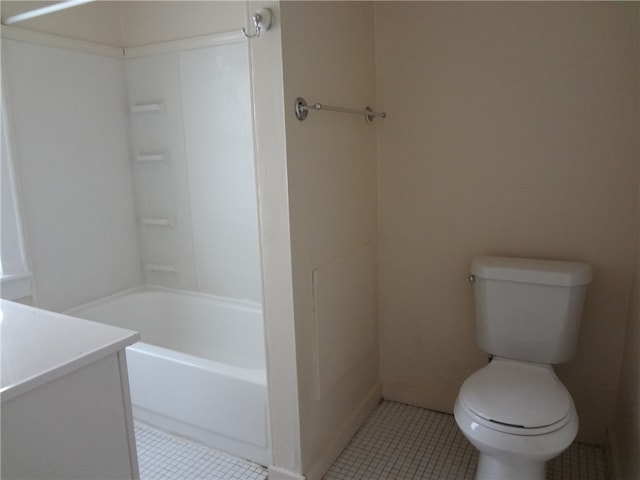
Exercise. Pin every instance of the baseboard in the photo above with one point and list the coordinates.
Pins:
(332, 451)
(612, 454)
(277, 473)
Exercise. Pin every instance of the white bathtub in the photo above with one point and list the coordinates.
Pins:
(199, 370)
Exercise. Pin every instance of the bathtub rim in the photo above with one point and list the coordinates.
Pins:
(248, 304)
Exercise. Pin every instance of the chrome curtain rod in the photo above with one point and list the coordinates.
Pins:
(301, 109)
(56, 7)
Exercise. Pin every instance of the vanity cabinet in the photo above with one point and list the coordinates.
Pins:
(66, 409)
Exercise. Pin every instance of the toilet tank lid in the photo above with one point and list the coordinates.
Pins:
(528, 270)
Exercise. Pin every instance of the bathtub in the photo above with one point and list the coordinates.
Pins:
(199, 370)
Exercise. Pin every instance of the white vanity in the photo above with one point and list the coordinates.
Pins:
(66, 409)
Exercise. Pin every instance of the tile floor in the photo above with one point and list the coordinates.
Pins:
(402, 442)
(165, 457)
(397, 442)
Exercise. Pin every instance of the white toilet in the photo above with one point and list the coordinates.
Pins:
(515, 411)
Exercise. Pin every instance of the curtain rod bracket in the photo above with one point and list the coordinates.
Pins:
(301, 109)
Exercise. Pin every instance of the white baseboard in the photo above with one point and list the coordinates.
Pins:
(611, 453)
(332, 451)
(277, 473)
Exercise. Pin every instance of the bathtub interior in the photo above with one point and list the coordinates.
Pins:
(205, 326)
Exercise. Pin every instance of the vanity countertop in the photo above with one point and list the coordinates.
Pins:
(39, 346)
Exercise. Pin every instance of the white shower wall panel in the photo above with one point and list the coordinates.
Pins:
(216, 103)
(206, 184)
(69, 124)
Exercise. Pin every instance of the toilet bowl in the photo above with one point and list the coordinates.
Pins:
(515, 410)
(518, 415)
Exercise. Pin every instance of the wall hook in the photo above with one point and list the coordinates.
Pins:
(262, 21)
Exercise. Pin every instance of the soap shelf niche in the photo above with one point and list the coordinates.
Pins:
(152, 157)
(146, 107)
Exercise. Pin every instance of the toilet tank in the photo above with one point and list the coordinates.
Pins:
(529, 310)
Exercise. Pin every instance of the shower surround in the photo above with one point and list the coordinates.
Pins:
(139, 170)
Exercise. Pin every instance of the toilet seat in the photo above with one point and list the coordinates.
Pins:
(517, 397)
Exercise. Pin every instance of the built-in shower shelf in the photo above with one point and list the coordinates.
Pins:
(157, 222)
(156, 267)
(152, 157)
(148, 107)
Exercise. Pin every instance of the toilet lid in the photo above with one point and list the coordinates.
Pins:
(517, 394)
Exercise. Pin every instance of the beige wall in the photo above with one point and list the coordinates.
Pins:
(148, 22)
(328, 57)
(512, 130)
(626, 428)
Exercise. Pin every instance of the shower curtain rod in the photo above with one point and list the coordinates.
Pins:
(301, 109)
(44, 11)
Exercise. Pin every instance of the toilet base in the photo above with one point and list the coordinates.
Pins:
(490, 468)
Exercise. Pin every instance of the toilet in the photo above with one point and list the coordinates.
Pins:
(514, 410)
